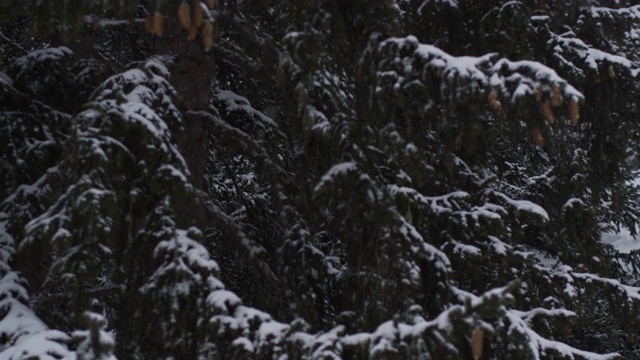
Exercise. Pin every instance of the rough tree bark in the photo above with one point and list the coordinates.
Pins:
(191, 75)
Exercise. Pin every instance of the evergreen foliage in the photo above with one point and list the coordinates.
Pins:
(354, 180)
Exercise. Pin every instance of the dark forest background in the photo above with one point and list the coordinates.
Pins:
(256, 179)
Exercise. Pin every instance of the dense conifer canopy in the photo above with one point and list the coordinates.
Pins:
(252, 179)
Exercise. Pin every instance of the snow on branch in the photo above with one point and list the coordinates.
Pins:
(538, 344)
(438, 258)
(631, 13)
(524, 205)
(440, 204)
(24, 334)
(519, 324)
(41, 58)
(234, 102)
(631, 292)
(421, 78)
(335, 172)
(575, 54)
(258, 333)
(468, 75)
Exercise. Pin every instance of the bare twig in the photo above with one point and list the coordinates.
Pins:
(13, 44)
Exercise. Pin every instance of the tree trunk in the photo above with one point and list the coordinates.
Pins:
(191, 76)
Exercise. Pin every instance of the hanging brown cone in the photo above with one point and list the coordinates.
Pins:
(556, 95)
(548, 112)
(148, 24)
(207, 36)
(477, 343)
(197, 16)
(80, 23)
(611, 72)
(457, 145)
(574, 111)
(494, 103)
(158, 24)
(192, 32)
(184, 15)
(449, 162)
(537, 138)
(538, 92)
(65, 37)
(211, 3)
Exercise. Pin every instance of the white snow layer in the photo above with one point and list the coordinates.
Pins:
(512, 79)
(622, 241)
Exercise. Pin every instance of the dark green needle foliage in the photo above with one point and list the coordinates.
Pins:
(240, 179)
